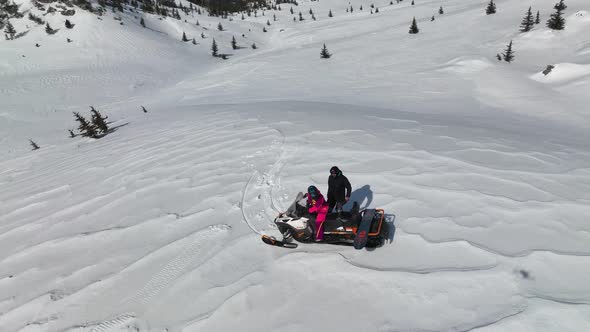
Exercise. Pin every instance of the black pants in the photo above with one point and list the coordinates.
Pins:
(333, 203)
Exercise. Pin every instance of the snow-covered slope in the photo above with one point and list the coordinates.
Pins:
(485, 166)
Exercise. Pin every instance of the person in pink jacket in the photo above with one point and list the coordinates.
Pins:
(317, 204)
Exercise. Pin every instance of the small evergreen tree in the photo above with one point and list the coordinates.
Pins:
(203, 35)
(254, 46)
(194, 41)
(441, 11)
(198, 23)
(330, 13)
(491, 8)
(49, 29)
(142, 22)
(267, 22)
(184, 39)
(234, 43)
(84, 126)
(34, 145)
(432, 18)
(538, 18)
(214, 48)
(412, 2)
(556, 20)
(499, 57)
(414, 27)
(300, 16)
(99, 122)
(376, 10)
(263, 29)
(527, 21)
(324, 54)
(143, 109)
(509, 53)
(219, 27)
(10, 31)
(69, 24)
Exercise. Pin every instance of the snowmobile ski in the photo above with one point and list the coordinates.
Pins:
(274, 242)
(362, 233)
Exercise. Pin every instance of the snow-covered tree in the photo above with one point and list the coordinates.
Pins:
(538, 18)
(234, 43)
(33, 145)
(184, 39)
(69, 24)
(9, 31)
(441, 10)
(142, 22)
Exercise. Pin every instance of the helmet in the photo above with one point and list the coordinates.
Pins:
(313, 191)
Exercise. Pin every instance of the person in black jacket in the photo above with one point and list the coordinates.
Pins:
(339, 189)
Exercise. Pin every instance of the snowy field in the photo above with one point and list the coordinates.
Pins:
(485, 166)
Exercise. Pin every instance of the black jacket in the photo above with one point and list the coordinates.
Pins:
(336, 187)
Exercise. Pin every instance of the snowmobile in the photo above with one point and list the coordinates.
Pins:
(355, 227)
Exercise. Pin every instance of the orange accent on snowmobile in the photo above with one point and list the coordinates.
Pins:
(380, 223)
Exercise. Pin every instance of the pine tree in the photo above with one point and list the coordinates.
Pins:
(267, 22)
(491, 8)
(142, 22)
(274, 18)
(300, 16)
(219, 27)
(499, 57)
(214, 48)
(324, 54)
(441, 11)
(509, 53)
(184, 39)
(234, 43)
(198, 23)
(310, 11)
(34, 145)
(291, 10)
(376, 10)
(264, 29)
(330, 13)
(527, 21)
(414, 28)
(10, 32)
(85, 128)
(412, 2)
(98, 121)
(49, 29)
(538, 18)
(556, 20)
(243, 18)
(560, 5)
(203, 35)
(194, 41)
(254, 46)
(69, 24)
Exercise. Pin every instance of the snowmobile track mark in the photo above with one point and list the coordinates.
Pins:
(113, 323)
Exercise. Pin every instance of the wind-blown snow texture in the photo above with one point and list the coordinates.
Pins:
(485, 165)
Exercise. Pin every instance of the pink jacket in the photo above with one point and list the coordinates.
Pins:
(318, 205)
